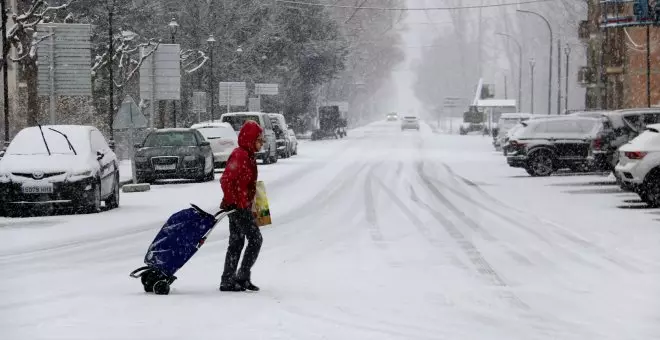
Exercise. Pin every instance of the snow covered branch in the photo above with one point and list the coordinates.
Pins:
(193, 60)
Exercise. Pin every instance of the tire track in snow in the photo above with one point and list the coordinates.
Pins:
(370, 210)
(483, 267)
(555, 228)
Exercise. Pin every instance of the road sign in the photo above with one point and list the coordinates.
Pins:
(129, 115)
(254, 104)
(199, 102)
(64, 58)
(266, 89)
(160, 74)
(232, 94)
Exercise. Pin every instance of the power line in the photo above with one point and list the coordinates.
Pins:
(292, 2)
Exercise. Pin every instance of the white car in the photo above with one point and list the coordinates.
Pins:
(294, 142)
(223, 140)
(410, 122)
(639, 165)
(54, 166)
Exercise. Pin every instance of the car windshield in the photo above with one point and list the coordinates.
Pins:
(31, 142)
(216, 132)
(507, 123)
(237, 121)
(170, 139)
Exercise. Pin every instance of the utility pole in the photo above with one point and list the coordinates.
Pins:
(5, 82)
(532, 64)
(568, 58)
(211, 43)
(648, 66)
(559, 77)
(549, 57)
(174, 27)
(111, 83)
(506, 93)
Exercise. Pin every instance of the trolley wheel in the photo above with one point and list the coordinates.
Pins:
(161, 287)
(148, 281)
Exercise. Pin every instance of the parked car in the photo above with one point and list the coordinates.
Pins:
(268, 153)
(543, 146)
(392, 117)
(174, 154)
(639, 165)
(282, 138)
(410, 122)
(294, 142)
(59, 166)
(509, 134)
(507, 122)
(621, 127)
(223, 140)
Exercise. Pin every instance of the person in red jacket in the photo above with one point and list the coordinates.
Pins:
(239, 183)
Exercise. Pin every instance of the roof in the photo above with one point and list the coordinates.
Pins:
(211, 124)
(496, 103)
(243, 114)
(174, 130)
(640, 110)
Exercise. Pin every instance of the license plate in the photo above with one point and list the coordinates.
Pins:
(38, 188)
(165, 167)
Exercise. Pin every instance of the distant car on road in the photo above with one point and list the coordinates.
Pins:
(392, 117)
(410, 123)
(543, 146)
(174, 154)
(223, 140)
(294, 142)
(639, 165)
(268, 153)
(59, 166)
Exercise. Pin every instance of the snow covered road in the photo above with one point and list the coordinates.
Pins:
(384, 235)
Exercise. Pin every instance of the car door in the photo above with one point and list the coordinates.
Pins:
(570, 142)
(107, 163)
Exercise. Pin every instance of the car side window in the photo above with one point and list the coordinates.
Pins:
(98, 141)
(562, 127)
(267, 124)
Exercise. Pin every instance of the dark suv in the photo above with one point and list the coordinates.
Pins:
(546, 145)
(620, 127)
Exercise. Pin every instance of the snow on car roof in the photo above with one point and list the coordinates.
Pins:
(212, 124)
(243, 114)
(173, 130)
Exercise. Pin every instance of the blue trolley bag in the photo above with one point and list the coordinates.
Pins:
(176, 242)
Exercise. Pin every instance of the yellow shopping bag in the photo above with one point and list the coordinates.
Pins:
(261, 205)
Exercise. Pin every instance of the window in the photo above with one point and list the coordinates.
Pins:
(237, 121)
(561, 126)
(267, 124)
(217, 132)
(170, 138)
(98, 141)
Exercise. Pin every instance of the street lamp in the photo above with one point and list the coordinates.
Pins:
(532, 64)
(211, 45)
(519, 67)
(5, 82)
(174, 27)
(567, 51)
(550, 56)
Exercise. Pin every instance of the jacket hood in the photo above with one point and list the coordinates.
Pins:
(248, 135)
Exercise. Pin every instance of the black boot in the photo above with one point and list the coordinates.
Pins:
(247, 285)
(231, 286)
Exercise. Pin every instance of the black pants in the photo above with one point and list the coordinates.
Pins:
(241, 226)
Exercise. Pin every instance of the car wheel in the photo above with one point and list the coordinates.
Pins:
(113, 201)
(541, 164)
(650, 192)
(274, 159)
(94, 206)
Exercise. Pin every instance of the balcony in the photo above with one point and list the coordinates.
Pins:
(583, 30)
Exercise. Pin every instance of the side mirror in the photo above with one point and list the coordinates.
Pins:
(99, 155)
(137, 146)
(205, 143)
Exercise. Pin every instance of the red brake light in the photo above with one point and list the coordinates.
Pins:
(597, 144)
(636, 154)
(517, 144)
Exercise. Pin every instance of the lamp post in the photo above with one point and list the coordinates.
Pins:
(519, 66)
(567, 51)
(174, 27)
(532, 64)
(211, 45)
(549, 58)
(5, 82)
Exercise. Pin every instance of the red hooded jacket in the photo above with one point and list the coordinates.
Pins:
(239, 181)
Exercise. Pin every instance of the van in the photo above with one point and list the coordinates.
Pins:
(283, 139)
(268, 153)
